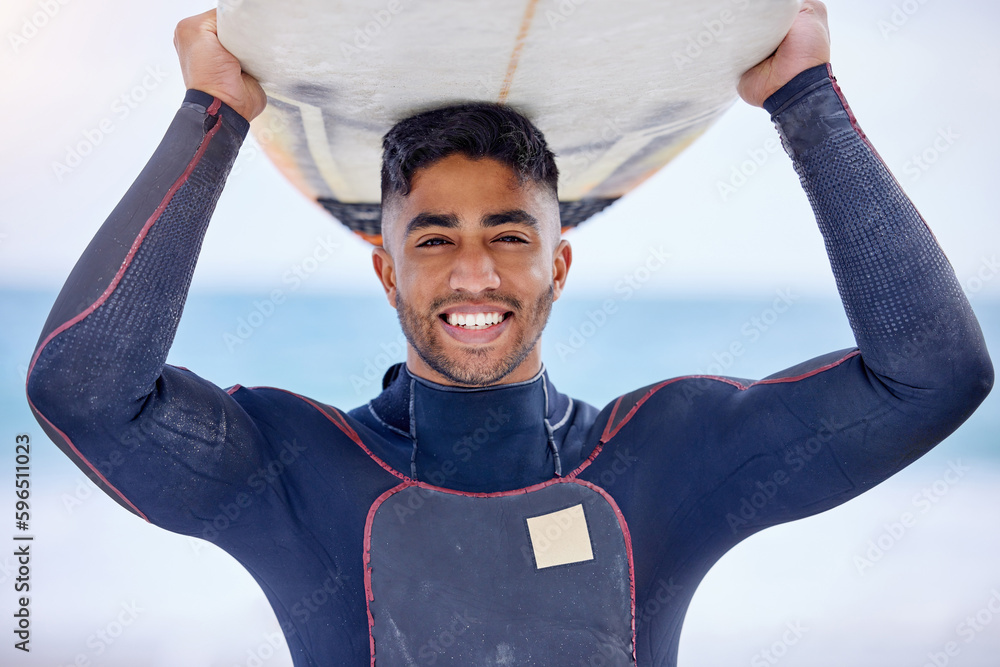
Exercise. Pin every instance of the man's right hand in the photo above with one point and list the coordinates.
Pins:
(207, 66)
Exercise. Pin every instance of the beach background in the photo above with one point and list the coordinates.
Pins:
(847, 587)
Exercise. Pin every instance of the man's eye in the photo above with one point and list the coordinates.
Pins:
(511, 238)
(431, 242)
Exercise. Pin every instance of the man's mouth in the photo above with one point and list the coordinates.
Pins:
(475, 321)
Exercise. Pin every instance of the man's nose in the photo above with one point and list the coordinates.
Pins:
(474, 271)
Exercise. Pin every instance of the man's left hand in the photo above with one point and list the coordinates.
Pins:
(806, 45)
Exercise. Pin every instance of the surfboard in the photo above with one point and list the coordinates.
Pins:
(619, 88)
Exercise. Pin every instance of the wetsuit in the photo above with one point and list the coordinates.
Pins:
(510, 525)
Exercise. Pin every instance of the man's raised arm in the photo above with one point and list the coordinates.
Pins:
(910, 318)
(839, 424)
(152, 436)
(818, 434)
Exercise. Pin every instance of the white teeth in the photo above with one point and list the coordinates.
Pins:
(475, 320)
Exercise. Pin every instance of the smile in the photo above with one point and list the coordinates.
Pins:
(474, 321)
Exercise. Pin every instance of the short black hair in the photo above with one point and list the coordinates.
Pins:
(474, 129)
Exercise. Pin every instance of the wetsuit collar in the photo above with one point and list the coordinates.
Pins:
(473, 438)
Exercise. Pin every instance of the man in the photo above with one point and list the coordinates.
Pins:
(472, 514)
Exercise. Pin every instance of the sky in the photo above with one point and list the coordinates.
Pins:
(104, 74)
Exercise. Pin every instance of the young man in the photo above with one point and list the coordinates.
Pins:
(472, 514)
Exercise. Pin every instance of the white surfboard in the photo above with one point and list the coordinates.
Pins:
(618, 87)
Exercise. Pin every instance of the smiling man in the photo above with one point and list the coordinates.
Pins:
(471, 514)
(474, 246)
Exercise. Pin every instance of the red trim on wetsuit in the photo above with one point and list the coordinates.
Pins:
(864, 138)
(341, 422)
(352, 434)
(85, 460)
(136, 244)
(612, 432)
(181, 180)
(847, 108)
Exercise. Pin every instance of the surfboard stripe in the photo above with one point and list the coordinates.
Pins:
(515, 55)
(318, 143)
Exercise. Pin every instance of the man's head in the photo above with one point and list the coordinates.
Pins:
(470, 227)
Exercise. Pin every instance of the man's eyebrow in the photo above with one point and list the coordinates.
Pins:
(450, 220)
(514, 215)
(425, 220)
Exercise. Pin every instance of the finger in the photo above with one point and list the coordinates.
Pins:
(210, 21)
(188, 28)
(815, 7)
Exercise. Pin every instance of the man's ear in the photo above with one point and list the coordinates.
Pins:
(386, 272)
(561, 260)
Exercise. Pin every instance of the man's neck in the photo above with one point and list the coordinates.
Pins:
(475, 438)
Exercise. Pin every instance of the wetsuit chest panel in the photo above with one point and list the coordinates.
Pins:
(521, 578)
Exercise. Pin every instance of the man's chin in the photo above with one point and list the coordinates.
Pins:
(478, 367)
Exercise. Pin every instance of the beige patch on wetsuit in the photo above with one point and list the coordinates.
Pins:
(560, 538)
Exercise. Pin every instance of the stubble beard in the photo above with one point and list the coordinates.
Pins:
(474, 366)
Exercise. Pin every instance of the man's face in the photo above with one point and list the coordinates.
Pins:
(472, 262)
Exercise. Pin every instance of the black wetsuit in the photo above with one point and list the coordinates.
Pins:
(434, 525)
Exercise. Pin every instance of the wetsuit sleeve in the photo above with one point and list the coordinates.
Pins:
(158, 439)
(910, 318)
(815, 435)
(840, 424)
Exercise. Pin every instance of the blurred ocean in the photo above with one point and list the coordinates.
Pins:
(107, 589)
